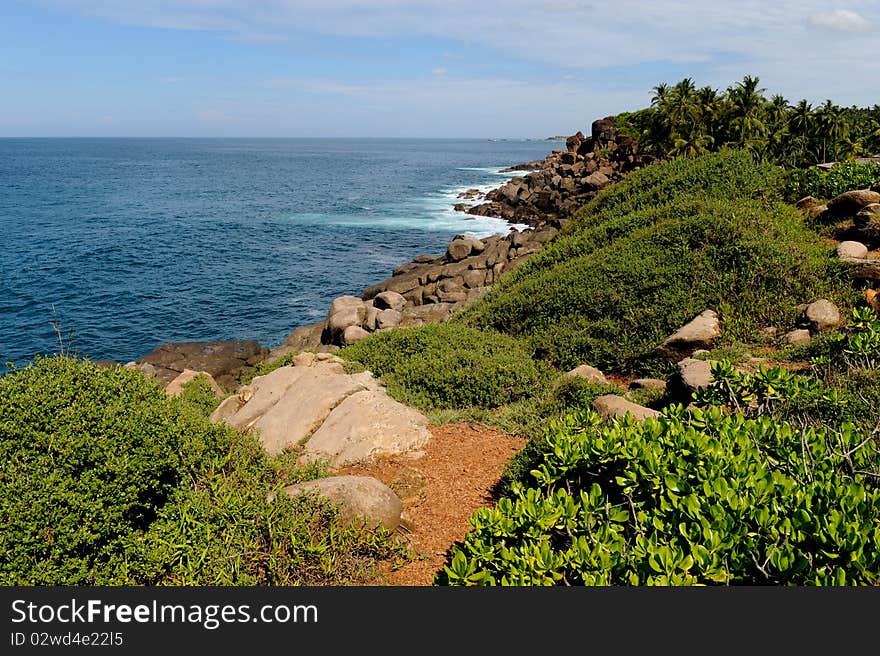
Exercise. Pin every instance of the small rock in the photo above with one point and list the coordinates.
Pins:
(304, 359)
(588, 373)
(823, 315)
(852, 249)
(653, 384)
(700, 333)
(175, 387)
(693, 375)
(611, 405)
(768, 333)
(362, 500)
(798, 337)
(388, 319)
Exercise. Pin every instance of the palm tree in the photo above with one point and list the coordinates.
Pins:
(747, 110)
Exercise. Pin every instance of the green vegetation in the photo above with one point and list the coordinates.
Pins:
(107, 481)
(653, 251)
(451, 366)
(820, 183)
(684, 120)
(700, 498)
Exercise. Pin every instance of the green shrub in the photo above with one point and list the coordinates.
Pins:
(820, 183)
(450, 366)
(108, 481)
(89, 457)
(653, 251)
(700, 498)
(199, 396)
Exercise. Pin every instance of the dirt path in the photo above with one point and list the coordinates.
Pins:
(441, 490)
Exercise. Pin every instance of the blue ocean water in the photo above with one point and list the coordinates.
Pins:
(137, 242)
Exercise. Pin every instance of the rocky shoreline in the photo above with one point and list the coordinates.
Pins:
(429, 288)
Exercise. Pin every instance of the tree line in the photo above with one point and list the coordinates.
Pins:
(684, 120)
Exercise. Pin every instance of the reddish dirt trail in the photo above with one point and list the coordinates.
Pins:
(456, 476)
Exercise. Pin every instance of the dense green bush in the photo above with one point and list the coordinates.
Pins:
(451, 366)
(820, 183)
(691, 498)
(108, 481)
(652, 252)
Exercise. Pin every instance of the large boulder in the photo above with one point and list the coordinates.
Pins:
(365, 426)
(345, 311)
(363, 501)
(353, 334)
(304, 338)
(459, 249)
(611, 405)
(823, 315)
(699, 333)
(228, 362)
(289, 404)
(389, 301)
(851, 202)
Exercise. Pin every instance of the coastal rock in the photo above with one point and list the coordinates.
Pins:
(363, 501)
(611, 405)
(365, 426)
(588, 373)
(293, 404)
(823, 315)
(226, 361)
(388, 319)
(175, 387)
(459, 249)
(354, 334)
(303, 338)
(345, 311)
(852, 249)
(389, 301)
(699, 333)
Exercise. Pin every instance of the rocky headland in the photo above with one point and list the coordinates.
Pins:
(429, 288)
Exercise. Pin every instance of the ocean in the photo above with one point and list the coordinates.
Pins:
(131, 243)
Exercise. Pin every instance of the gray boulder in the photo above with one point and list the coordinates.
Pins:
(589, 373)
(353, 334)
(611, 405)
(363, 501)
(226, 361)
(823, 315)
(798, 337)
(690, 376)
(459, 249)
(699, 333)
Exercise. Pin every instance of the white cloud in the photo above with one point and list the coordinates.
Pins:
(439, 71)
(840, 20)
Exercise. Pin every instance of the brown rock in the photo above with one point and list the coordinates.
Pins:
(362, 500)
(611, 405)
(226, 361)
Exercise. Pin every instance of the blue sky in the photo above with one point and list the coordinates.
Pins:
(431, 68)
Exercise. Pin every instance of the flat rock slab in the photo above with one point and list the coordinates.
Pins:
(304, 406)
(362, 500)
(227, 361)
(611, 405)
(365, 426)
